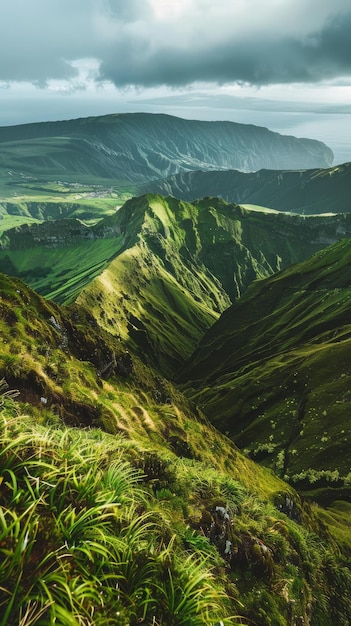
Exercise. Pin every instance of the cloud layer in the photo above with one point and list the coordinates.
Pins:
(176, 42)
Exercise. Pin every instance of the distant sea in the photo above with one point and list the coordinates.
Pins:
(333, 129)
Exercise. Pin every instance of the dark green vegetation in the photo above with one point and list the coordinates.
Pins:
(274, 373)
(164, 269)
(121, 505)
(310, 191)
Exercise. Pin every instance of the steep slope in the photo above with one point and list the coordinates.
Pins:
(274, 373)
(140, 147)
(121, 505)
(158, 293)
(303, 191)
(160, 266)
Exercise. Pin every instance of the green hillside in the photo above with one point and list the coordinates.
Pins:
(86, 168)
(273, 373)
(305, 191)
(160, 268)
(121, 505)
(174, 376)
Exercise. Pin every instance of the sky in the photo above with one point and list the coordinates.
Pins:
(283, 64)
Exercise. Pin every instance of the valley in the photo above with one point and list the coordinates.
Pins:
(274, 371)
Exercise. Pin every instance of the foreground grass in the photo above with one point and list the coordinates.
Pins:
(120, 504)
(80, 543)
(96, 530)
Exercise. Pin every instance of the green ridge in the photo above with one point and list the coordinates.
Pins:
(140, 147)
(159, 271)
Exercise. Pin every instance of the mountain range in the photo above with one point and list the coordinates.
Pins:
(311, 191)
(174, 376)
(161, 266)
(139, 147)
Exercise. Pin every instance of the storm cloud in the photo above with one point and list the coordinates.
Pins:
(176, 42)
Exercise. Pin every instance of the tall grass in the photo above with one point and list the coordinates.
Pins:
(90, 536)
(80, 542)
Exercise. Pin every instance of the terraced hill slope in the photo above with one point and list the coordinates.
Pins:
(310, 191)
(274, 373)
(140, 147)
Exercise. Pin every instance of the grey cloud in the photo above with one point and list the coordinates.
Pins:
(257, 60)
(127, 12)
(40, 39)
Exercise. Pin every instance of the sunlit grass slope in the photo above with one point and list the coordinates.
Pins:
(164, 269)
(121, 505)
(159, 294)
(274, 373)
(183, 263)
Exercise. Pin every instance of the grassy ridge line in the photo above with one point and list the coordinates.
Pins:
(160, 320)
(164, 269)
(173, 279)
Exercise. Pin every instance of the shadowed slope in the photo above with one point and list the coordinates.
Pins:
(304, 191)
(274, 372)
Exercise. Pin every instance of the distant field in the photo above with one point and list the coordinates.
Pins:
(256, 207)
(25, 199)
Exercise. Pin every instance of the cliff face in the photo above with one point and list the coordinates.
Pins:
(141, 147)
